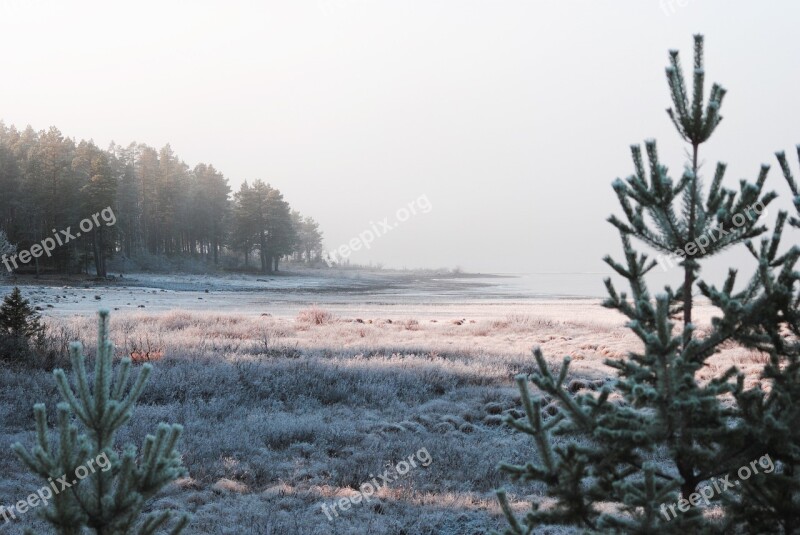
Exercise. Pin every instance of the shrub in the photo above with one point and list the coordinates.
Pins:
(141, 353)
(315, 316)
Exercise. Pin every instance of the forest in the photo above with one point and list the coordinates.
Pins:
(167, 214)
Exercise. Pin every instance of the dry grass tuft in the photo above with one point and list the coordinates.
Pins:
(411, 325)
(147, 353)
(315, 316)
(228, 485)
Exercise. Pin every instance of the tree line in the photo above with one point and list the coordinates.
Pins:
(163, 208)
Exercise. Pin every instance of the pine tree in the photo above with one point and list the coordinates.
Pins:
(245, 221)
(281, 234)
(211, 207)
(18, 317)
(262, 220)
(6, 248)
(308, 243)
(21, 330)
(614, 460)
(57, 190)
(128, 224)
(99, 196)
(787, 173)
(10, 185)
(771, 416)
(50, 183)
(109, 500)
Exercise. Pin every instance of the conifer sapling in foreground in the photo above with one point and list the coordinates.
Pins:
(108, 501)
(614, 461)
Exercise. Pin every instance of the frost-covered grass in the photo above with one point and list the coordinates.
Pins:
(282, 414)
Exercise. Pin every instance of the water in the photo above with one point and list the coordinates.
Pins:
(544, 285)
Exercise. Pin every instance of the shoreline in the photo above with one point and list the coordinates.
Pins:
(344, 292)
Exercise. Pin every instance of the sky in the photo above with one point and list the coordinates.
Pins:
(509, 118)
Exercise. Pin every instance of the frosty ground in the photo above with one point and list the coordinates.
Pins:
(296, 390)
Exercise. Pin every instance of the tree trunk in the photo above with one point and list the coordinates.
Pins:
(688, 279)
(263, 254)
(685, 466)
(98, 249)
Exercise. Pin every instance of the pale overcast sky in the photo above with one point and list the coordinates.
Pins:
(512, 117)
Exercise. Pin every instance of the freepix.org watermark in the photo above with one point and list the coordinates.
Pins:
(701, 242)
(44, 494)
(718, 486)
(367, 490)
(364, 239)
(60, 238)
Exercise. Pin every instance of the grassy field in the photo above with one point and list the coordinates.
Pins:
(285, 414)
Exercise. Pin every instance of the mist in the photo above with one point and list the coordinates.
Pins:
(511, 118)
